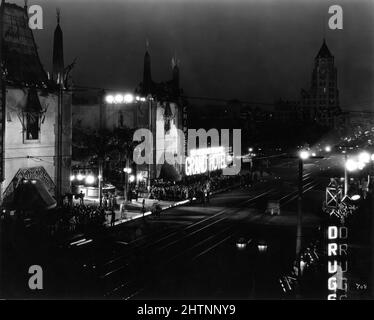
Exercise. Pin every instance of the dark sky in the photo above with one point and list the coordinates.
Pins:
(256, 50)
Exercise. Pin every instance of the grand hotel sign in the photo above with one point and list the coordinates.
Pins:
(205, 160)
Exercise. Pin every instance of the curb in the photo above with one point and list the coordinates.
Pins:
(176, 204)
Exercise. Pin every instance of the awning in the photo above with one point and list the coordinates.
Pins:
(32, 195)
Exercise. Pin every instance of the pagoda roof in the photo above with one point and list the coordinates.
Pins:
(19, 51)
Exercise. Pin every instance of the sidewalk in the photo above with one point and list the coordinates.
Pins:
(133, 210)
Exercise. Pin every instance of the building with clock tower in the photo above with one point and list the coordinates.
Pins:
(322, 100)
(320, 104)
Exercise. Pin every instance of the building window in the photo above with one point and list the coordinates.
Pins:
(32, 128)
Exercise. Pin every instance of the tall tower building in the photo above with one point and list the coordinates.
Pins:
(147, 74)
(323, 97)
(58, 53)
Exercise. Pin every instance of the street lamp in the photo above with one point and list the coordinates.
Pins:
(360, 165)
(119, 98)
(109, 99)
(328, 149)
(128, 98)
(364, 157)
(90, 179)
(127, 171)
(351, 165)
(303, 155)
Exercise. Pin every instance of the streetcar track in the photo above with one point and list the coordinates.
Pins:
(211, 237)
(169, 244)
(259, 216)
(174, 233)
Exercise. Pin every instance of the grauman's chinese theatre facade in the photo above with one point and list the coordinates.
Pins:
(168, 114)
(157, 106)
(35, 132)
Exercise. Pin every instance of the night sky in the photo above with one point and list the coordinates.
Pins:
(250, 50)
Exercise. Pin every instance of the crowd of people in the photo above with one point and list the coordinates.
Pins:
(199, 187)
(78, 216)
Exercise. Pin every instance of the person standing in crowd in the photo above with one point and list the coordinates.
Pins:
(129, 195)
(114, 202)
(105, 201)
(110, 200)
(113, 218)
(365, 187)
(136, 194)
(202, 191)
(81, 198)
(143, 207)
(70, 199)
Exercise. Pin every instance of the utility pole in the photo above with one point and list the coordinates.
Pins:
(2, 133)
(299, 212)
(345, 175)
(100, 160)
(2, 104)
(371, 282)
(154, 137)
(59, 144)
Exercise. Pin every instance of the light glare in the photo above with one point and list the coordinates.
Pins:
(304, 155)
(109, 98)
(351, 165)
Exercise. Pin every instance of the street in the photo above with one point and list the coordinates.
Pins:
(191, 250)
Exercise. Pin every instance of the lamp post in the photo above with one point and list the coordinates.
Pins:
(345, 175)
(59, 144)
(100, 181)
(303, 155)
(350, 165)
(127, 171)
(116, 98)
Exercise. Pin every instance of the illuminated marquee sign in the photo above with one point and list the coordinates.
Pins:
(207, 159)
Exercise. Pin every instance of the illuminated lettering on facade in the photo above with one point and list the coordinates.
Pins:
(337, 262)
(203, 160)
